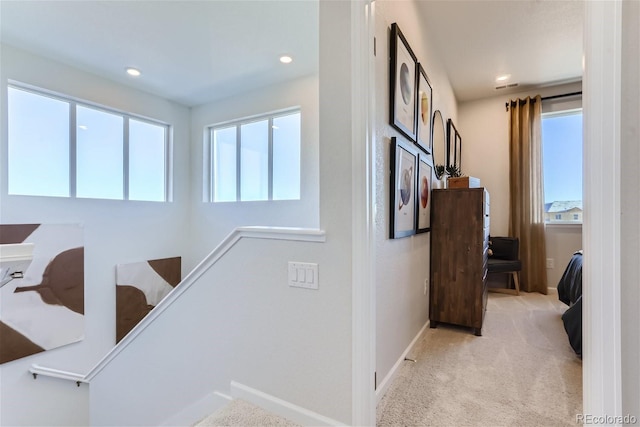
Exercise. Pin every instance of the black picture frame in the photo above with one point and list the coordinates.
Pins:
(402, 194)
(424, 181)
(403, 82)
(458, 151)
(452, 138)
(424, 105)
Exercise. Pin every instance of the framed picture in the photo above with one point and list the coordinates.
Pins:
(458, 151)
(402, 85)
(452, 135)
(423, 197)
(404, 162)
(423, 135)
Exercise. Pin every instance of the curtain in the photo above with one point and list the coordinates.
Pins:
(526, 195)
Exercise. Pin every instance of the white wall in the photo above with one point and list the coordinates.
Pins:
(239, 322)
(335, 88)
(402, 265)
(211, 222)
(630, 208)
(114, 232)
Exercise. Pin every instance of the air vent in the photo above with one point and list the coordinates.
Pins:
(507, 86)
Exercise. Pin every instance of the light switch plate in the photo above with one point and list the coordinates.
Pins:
(303, 275)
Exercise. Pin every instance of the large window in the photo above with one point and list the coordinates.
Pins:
(562, 164)
(64, 148)
(256, 159)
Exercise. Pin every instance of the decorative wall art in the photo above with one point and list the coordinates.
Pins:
(458, 151)
(424, 194)
(140, 286)
(404, 162)
(423, 136)
(454, 142)
(411, 113)
(402, 84)
(42, 308)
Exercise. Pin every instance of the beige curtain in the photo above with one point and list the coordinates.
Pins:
(526, 195)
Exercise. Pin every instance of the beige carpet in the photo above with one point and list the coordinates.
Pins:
(520, 372)
(241, 413)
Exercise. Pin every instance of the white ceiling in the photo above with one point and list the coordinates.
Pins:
(537, 42)
(191, 52)
(194, 52)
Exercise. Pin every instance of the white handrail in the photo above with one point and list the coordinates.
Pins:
(250, 232)
(36, 370)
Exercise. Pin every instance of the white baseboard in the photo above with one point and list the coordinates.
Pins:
(199, 410)
(280, 407)
(388, 379)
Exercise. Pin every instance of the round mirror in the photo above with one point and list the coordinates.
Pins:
(439, 143)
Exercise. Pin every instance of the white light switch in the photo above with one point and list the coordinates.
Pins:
(303, 275)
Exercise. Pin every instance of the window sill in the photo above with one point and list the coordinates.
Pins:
(563, 224)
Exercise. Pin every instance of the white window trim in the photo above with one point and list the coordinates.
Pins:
(555, 224)
(126, 116)
(208, 184)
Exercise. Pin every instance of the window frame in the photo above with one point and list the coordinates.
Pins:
(209, 152)
(557, 108)
(73, 129)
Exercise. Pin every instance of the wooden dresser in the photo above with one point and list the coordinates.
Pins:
(459, 251)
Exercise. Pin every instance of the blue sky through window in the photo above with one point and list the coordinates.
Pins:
(40, 143)
(258, 158)
(562, 156)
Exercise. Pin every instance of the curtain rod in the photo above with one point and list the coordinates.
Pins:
(562, 96)
(565, 95)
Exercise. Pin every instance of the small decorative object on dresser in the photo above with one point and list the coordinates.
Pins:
(463, 182)
(459, 251)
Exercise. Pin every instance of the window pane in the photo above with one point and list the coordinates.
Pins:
(286, 157)
(38, 129)
(99, 154)
(224, 165)
(146, 161)
(562, 155)
(254, 161)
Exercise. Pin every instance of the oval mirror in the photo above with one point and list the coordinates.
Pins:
(439, 142)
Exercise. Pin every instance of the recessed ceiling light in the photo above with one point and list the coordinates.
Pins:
(503, 78)
(286, 59)
(133, 71)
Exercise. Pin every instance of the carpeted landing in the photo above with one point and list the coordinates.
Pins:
(520, 372)
(241, 413)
